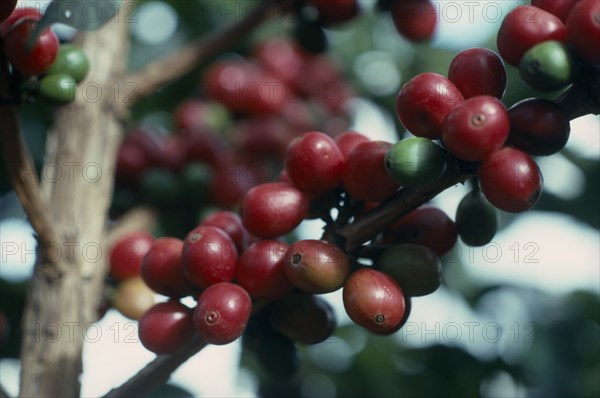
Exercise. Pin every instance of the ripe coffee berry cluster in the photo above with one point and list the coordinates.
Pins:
(465, 112)
(58, 67)
(551, 41)
(222, 146)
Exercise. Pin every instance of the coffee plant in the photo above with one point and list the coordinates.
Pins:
(200, 216)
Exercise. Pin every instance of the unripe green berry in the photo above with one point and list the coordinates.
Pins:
(71, 60)
(59, 88)
(415, 162)
(548, 66)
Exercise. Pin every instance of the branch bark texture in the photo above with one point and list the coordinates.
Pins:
(67, 281)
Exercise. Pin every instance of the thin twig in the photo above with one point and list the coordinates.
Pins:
(157, 372)
(20, 164)
(171, 67)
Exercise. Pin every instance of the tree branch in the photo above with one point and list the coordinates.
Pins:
(20, 165)
(157, 372)
(169, 68)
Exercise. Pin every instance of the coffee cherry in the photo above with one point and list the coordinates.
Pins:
(538, 126)
(365, 176)
(231, 223)
(548, 66)
(35, 60)
(427, 226)
(209, 256)
(6, 8)
(133, 298)
(415, 162)
(273, 209)
(476, 220)
(304, 318)
(277, 355)
(407, 310)
(332, 12)
(348, 140)
(200, 117)
(373, 300)
(260, 270)
(476, 128)
(131, 164)
(583, 27)
(316, 266)
(424, 102)
(222, 313)
(160, 187)
(127, 253)
(524, 27)
(560, 8)
(414, 19)
(478, 71)
(314, 163)
(162, 268)
(18, 15)
(58, 88)
(196, 179)
(510, 180)
(166, 327)
(71, 60)
(415, 267)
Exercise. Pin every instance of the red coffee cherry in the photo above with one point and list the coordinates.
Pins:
(209, 256)
(273, 209)
(560, 8)
(583, 27)
(510, 180)
(407, 310)
(314, 162)
(332, 12)
(260, 270)
(127, 253)
(222, 313)
(232, 224)
(32, 61)
(414, 19)
(304, 318)
(424, 102)
(166, 327)
(282, 57)
(476, 128)
(162, 268)
(316, 266)
(132, 162)
(373, 300)
(365, 176)
(538, 126)
(6, 8)
(478, 71)
(348, 140)
(17, 16)
(524, 27)
(243, 87)
(427, 226)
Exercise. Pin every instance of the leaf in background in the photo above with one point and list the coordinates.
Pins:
(79, 14)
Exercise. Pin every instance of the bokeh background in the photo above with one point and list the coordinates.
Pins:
(519, 317)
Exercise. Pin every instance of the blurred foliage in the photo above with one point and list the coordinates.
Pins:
(563, 359)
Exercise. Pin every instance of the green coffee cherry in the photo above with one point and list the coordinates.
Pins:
(476, 220)
(415, 162)
(59, 88)
(548, 66)
(160, 187)
(416, 268)
(71, 60)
